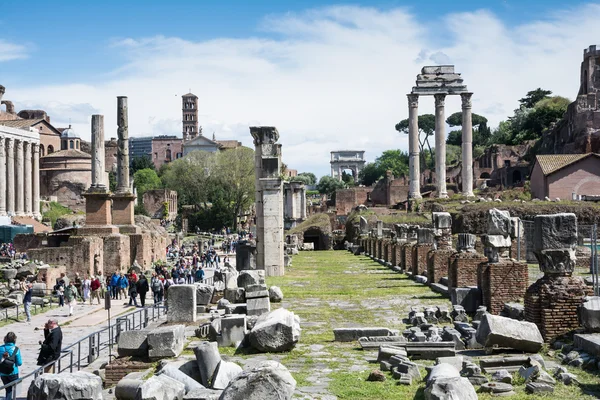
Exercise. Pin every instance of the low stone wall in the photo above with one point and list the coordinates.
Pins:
(552, 302)
(117, 369)
(502, 282)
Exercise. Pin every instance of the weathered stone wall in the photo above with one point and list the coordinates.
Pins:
(78, 254)
(154, 203)
(406, 257)
(552, 302)
(502, 282)
(462, 269)
(347, 199)
(146, 248)
(117, 253)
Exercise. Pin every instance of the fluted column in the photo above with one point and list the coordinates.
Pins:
(414, 182)
(10, 177)
(19, 189)
(27, 178)
(36, 181)
(2, 176)
(440, 145)
(467, 145)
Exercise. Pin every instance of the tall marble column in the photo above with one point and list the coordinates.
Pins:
(36, 181)
(123, 146)
(10, 177)
(467, 145)
(2, 176)
(98, 153)
(27, 178)
(414, 182)
(440, 145)
(19, 189)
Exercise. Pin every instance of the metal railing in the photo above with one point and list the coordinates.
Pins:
(95, 343)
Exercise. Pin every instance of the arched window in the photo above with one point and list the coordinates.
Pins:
(50, 149)
(168, 155)
(42, 154)
(77, 144)
(71, 144)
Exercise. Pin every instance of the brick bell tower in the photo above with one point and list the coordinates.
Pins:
(190, 116)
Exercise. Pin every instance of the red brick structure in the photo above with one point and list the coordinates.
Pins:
(462, 269)
(166, 149)
(420, 258)
(347, 199)
(117, 369)
(437, 264)
(397, 255)
(161, 203)
(502, 282)
(552, 302)
(406, 257)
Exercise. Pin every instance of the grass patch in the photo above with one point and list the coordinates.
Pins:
(54, 211)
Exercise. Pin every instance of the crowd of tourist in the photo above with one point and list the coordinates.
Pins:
(7, 250)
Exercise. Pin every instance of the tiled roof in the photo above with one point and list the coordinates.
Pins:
(21, 123)
(551, 163)
(69, 153)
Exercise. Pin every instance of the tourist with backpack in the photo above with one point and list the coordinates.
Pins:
(11, 361)
(142, 289)
(157, 288)
(71, 295)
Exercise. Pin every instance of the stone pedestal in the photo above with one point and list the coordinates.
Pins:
(437, 264)
(406, 257)
(502, 282)
(245, 255)
(420, 258)
(117, 253)
(98, 216)
(552, 303)
(123, 213)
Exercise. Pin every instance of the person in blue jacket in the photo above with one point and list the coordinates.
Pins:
(114, 285)
(123, 285)
(6, 351)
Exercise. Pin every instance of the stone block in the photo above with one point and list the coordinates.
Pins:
(275, 294)
(203, 394)
(226, 371)
(208, 358)
(160, 387)
(442, 220)
(66, 386)
(133, 343)
(204, 294)
(258, 306)
(555, 231)
(39, 289)
(250, 384)
(425, 236)
(498, 223)
(237, 295)
(276, 331)
(352, 334)
(469, 298)
(506, 332)
(588, 342)
(172, 371)
(181, 301)
(257, 294)
(166, 341)
(251, 277)
(589, 314)
(233, 330)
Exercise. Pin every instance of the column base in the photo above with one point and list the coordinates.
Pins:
(415, 196)
(468, 194)
(19, 214)
(129, 229)
(443, 196)
(97, 230)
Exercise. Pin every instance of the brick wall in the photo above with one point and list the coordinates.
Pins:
(462, 269)
(514, 249)
(437, 265)
(406, 257)
(420, 259)
(502, 282)
(117, 255)
(347, 199)
(116, 370)
(552, 302)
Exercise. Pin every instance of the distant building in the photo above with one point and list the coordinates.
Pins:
(65, 175)
(69, 140)
(291, 173)
(166, 149)
(341, 160)
(50, 137)
(566, 176)
(140, 147)
(110, 155)
(190, 116)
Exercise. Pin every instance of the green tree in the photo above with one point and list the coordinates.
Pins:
(301, 178)
(144, 180)
(312, 179)
(393, 160)
(189, 177)
(534, 96)
(112, 181)
(426, 123)
(328, 185)
(481, 132)
(141, 162)
(370, 174)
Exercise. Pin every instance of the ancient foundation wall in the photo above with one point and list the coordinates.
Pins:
(117, 255)
(502, 282)
(552, 302)
(407, 257)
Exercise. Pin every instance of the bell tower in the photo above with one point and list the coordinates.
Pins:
(190, 116)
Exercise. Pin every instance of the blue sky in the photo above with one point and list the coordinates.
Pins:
(326, 74)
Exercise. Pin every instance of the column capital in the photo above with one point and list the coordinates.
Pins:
(35, 147)
(466, 99)
(440, 99)
(413, 100)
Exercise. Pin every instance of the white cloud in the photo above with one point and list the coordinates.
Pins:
(11, 51)
(329, 78)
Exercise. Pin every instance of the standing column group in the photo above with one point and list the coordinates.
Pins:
(414, 190)
(19, 177)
